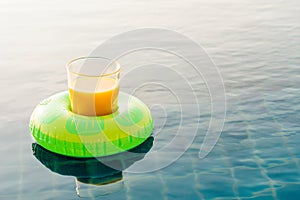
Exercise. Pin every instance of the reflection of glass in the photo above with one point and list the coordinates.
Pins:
(93, 187)
(93, 85)
(93, 177)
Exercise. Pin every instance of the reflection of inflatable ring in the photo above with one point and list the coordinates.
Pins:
(94, 176)
(91, 167)
(59, 130)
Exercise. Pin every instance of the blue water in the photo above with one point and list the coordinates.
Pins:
(256, 47)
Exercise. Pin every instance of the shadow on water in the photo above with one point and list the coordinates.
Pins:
(94, 176)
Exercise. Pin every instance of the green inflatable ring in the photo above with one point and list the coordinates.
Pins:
(59, 130)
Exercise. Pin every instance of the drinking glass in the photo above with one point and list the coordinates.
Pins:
(93, 84)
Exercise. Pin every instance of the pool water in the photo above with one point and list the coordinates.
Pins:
(256, 47)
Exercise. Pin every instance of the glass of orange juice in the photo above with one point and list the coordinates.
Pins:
(93, 85)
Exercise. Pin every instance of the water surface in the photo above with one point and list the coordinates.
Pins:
(256, 46)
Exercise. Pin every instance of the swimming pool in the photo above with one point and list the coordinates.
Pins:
(256, 48)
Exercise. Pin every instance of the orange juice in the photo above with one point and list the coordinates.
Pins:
(92, 97)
